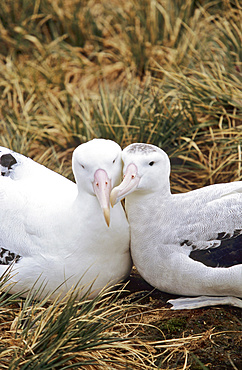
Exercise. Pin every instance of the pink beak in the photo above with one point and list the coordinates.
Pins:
(102, 189)
(129, 184)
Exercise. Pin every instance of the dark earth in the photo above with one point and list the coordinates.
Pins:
(213, 334)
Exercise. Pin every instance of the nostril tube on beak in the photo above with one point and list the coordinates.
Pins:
(102, 189)
(129, 184)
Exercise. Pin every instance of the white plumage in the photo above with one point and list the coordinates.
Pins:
(187, 244)
(57, 231)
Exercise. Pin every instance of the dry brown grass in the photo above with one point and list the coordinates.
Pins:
(164, 72)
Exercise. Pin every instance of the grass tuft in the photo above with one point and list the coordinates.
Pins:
(165, 72)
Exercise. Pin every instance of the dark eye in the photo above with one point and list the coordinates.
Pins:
(114, 160)
(151, 163)
(82, 166)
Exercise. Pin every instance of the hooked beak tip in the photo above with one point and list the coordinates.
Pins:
(102, 188)
(113, 197)
(106, 213)
(128, 185)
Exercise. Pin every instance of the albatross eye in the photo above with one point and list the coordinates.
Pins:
(151, 163)
(114, 160)
(82, 166)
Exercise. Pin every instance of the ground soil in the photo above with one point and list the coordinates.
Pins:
(205, 338)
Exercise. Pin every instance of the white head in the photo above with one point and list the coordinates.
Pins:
(146, 170)
(97, 169)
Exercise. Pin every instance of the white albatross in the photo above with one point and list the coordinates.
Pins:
(57, 231)
(186, 244)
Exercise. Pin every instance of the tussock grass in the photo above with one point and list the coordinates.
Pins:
(181, 88)
(67, 333)
(105, 332)
(166, 72)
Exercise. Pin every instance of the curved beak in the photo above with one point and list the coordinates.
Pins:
(102, 188)
(129, 184)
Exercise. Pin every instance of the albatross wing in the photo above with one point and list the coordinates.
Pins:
(186, 244)
(54, 230)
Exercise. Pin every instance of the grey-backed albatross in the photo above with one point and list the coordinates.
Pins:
(187, 244)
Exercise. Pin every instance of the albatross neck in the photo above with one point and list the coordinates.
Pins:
(140, 198)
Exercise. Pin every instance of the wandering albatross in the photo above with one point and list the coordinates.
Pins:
(54, 230)
(186, 244)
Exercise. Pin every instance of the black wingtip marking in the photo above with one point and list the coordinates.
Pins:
(7, 160)
(223, 236)
(228, 254)
(186, 242)
(7, 257)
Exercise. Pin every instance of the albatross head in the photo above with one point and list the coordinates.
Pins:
(97, 168)
(146, 169)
